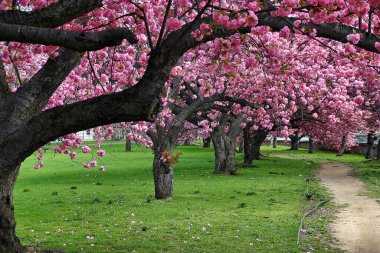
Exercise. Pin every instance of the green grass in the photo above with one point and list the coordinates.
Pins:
(66, 206)
(368, 170)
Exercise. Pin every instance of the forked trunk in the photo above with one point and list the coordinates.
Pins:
(259, 137)
(9, 243)
(294, 143)
(163, 175)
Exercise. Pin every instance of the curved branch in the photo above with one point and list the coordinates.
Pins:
(51, 16)
(75, 40)
(333, 31)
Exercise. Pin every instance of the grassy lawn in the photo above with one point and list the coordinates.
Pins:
(68, 207)
(368, 170)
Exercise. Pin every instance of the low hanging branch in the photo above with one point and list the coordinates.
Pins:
(75, 40)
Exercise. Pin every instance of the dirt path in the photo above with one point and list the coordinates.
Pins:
(357, 226)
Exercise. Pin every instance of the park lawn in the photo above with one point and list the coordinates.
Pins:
(68, 207)
(368, 170)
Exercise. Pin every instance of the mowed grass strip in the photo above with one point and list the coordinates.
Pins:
(68, 207)
(366, 169)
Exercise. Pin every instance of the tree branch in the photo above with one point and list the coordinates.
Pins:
(127, 105)
(51, 16)
(333, 31)
(76, 40)
(34, 94)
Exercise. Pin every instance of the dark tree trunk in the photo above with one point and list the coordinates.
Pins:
(259, 137)
(163, 175)
(248, 146)
(8, 239)
(207, 142)
(274, 144)
(311, 145)
(128, 145)
(187, 142)
(342, 146)
(378, 150)
(294, 140)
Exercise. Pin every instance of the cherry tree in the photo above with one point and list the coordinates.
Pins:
(59, 74)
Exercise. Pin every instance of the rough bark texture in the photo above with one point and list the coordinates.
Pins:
(342, 146)
(162, 172)
(225, 146)
(311, 145)
(128, 145)
(9, 243)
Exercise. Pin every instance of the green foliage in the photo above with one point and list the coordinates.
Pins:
(115, 211)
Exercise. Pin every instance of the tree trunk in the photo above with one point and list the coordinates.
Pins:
(378, 150)
(163, 174)
(128, 145)
(224, 152)
(9, 243)
(207, 142)
(342, 146)
(294, 140)
(187, 142)
(225, 146)
(248, 146)
(274, 141)
(311, 145)
(259, 137)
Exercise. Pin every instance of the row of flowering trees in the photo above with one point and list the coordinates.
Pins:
(257, 65)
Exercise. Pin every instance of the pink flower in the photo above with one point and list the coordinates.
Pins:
(40, 150)
(377, 46)
(38, 165)
(102, 169)
(353, 38)
(86, 165)
(73, 155)
(93, 164)
(100, 153)
(86, 149)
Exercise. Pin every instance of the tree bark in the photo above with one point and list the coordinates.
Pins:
(225, 146)
(163, 173)
(259, 137)
(274, 144)
(342, 146)
(311, 145)
(378, 150)
(128, 145)
(248, 146)
(294, 140)
(207, 142)
(9, 243)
